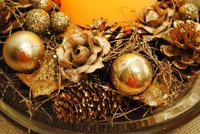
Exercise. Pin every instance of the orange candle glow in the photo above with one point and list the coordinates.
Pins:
(83, 12)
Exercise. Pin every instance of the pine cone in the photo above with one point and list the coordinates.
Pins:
(11, 15)
(81, 53)
(155, 20)
(90, 101)
(184, 45)
(111, 32)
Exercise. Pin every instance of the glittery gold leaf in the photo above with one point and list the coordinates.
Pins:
(43, 81)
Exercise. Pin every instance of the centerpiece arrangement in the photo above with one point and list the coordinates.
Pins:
(100, 72)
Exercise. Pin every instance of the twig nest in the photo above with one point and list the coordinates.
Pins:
(154, 21)
(59, 21)
(81, 53)
(37, 21)
(131, 73)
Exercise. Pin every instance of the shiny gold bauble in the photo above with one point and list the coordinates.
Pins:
(23, 50)
(131, 73)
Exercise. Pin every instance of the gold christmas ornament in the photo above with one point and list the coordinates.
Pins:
(37, 21)
(188, 9)
(46, 5)
(59, 21)
(131, 73)
(23, 50)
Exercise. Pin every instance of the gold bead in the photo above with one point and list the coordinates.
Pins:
(23, 50)
(131, 73)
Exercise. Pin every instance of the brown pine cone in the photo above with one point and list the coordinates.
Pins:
(81, 53)
(111, 32)
(155, 20)
(184, 45)
(90, 101)
(12, 15)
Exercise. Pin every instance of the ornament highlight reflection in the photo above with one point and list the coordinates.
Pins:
(131, 73)
(23, 50)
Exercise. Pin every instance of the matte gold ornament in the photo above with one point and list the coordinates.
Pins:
(23, 50)
(131, 73)
(37, 21)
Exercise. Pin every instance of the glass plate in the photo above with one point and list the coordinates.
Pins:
(185, 108)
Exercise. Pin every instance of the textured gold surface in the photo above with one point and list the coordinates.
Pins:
(37, 21)
(59, 21)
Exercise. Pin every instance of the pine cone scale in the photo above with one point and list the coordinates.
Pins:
(187, 57)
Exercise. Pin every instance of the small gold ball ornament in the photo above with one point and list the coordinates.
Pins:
(23, 50)
(131, 73)
(37, 21)
(59, 21)
(47, 5)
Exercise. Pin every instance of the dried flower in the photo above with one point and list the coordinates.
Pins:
(81, 53)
